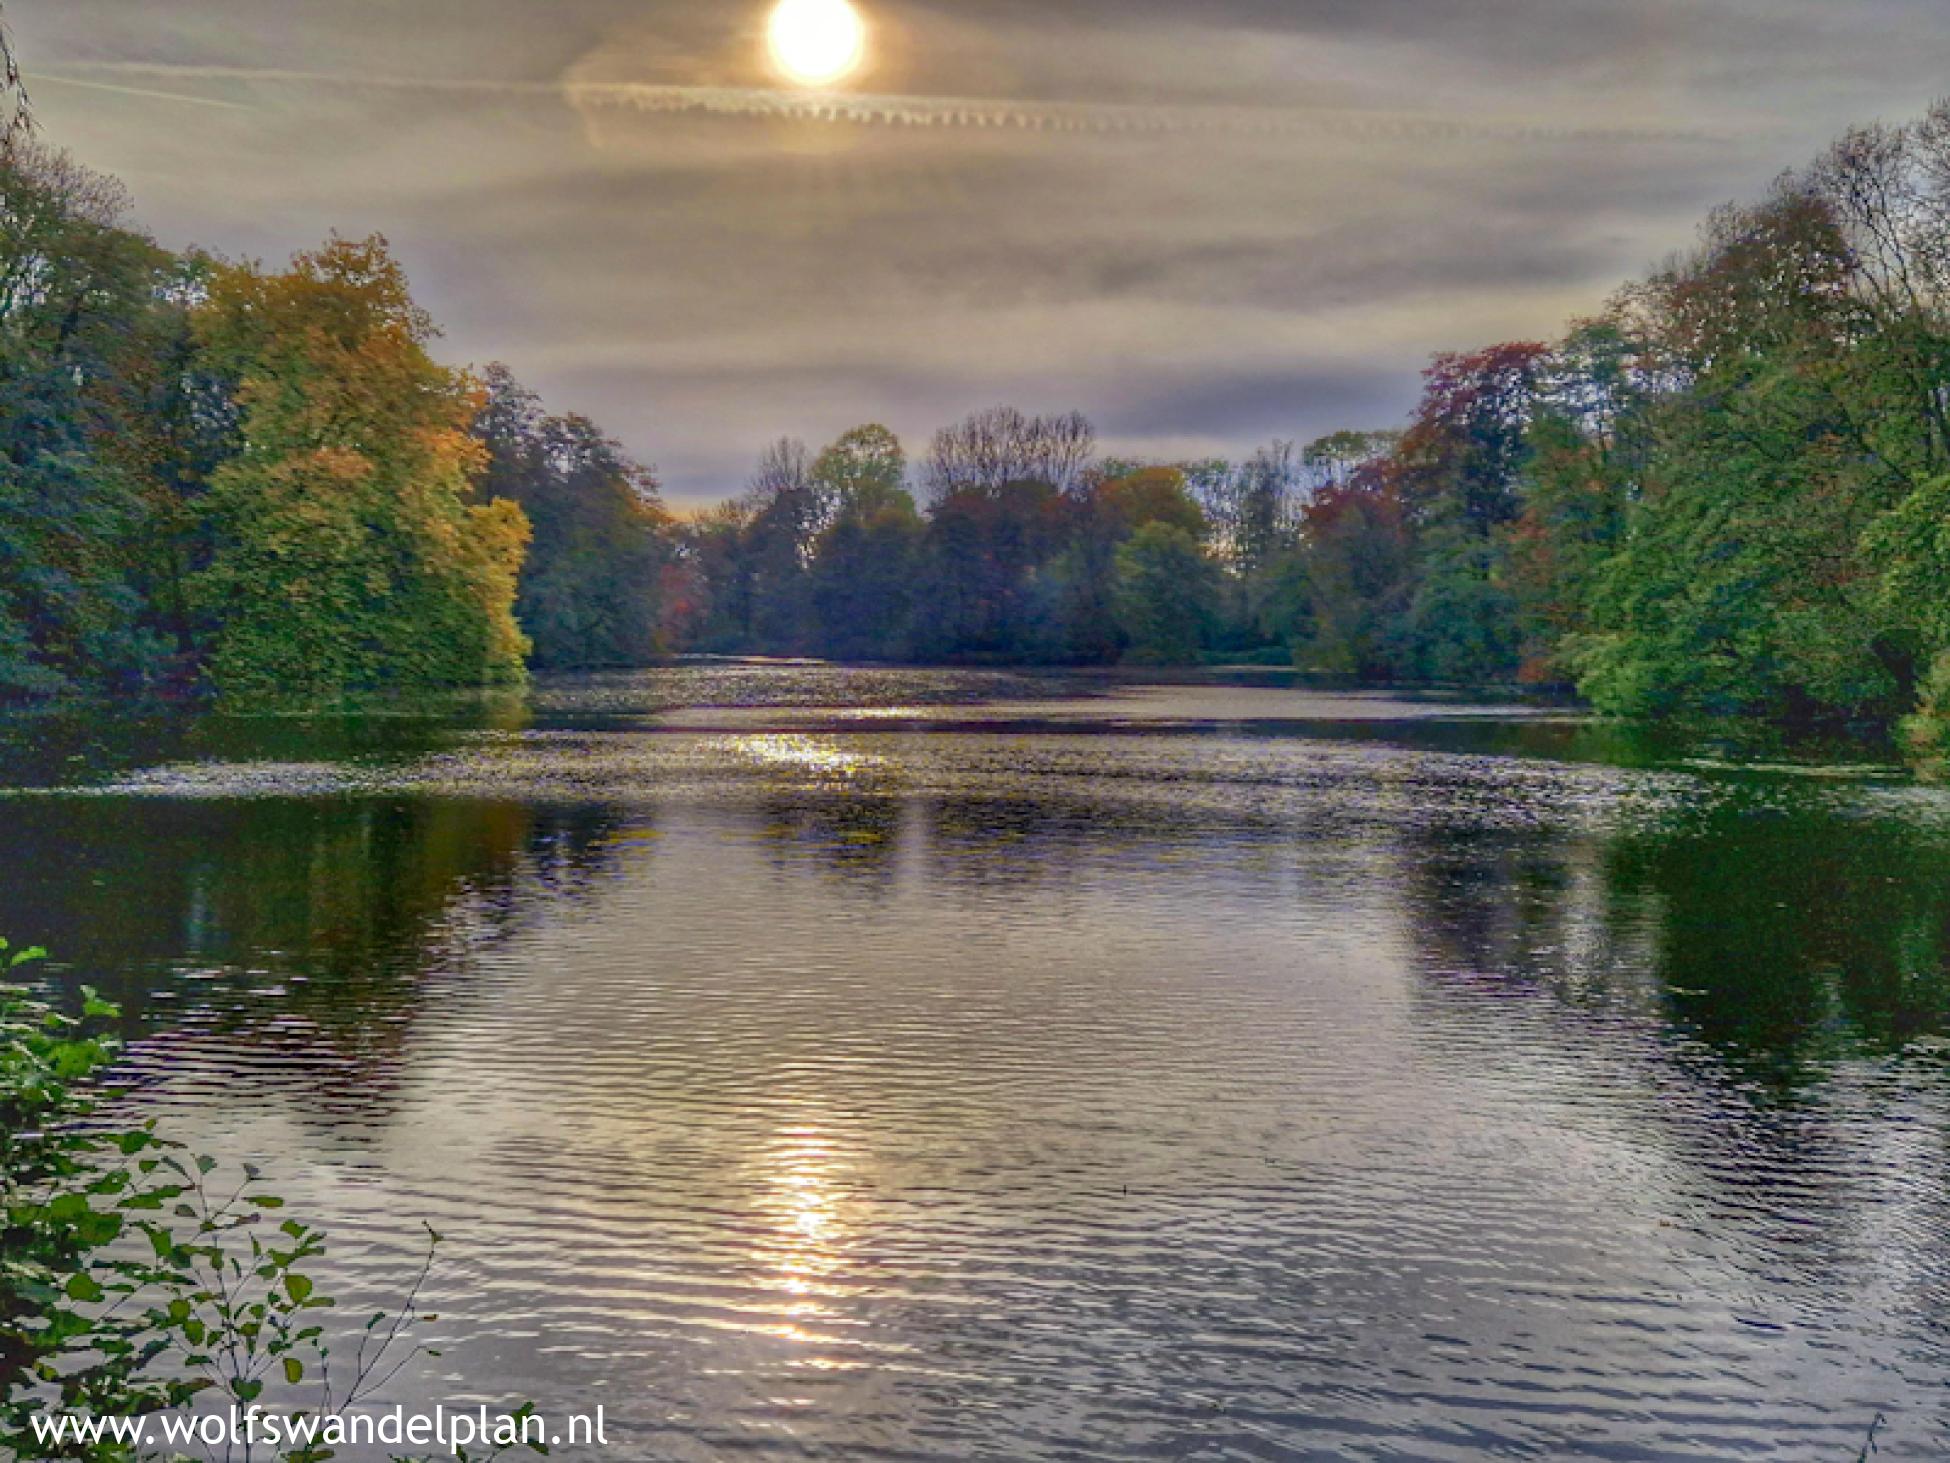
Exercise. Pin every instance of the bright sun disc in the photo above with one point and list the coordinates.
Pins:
(817, 42)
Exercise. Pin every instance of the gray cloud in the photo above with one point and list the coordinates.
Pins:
(1206, 225)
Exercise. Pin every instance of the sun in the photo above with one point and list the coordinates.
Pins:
(817, 42)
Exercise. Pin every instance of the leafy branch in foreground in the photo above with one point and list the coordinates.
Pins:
(132, 1281)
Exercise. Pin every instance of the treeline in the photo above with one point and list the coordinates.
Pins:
(1726, 494)
(216, 476)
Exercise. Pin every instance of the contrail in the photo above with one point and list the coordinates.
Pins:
(37, 77)
(1042, 116)
(878, 110)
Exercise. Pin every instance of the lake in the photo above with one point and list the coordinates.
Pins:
(809, 1063)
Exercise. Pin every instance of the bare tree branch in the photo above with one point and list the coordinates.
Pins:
(16, 108)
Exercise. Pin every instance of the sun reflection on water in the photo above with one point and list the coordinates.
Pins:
(803, 1257)
(817, 755)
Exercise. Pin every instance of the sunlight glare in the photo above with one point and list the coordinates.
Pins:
(817, 42)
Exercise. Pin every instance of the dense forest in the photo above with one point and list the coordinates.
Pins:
(1727, 493)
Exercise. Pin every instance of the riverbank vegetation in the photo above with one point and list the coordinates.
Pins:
(1727, 493)
(136, 1278)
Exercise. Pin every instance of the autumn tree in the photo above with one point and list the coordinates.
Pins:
(1590, 442)
(1358, 568)
(348, 553)
(1118, 502)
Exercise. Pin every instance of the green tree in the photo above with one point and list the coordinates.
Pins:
(1079, 595)
(1588, 448)
(865, 558)
(591, 589)
(862, 580)
(861, 473)
(1167, 594)
(1463, 460)
(83, 310)
(1742, 585)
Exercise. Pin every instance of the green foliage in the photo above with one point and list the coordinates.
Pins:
(133, 1280)
(862, 578)
(1167, 591)
(1744, 582)
(262, 477)
(1741, 591)
(591, 588)
(1723, 496)
(862, 474)
(83, 305)
(1461, 625)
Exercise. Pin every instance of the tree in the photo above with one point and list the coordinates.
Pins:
(992, 449)
(1254, 509)
(1741, 585)
(1462, 462)
(348, 555)
(1081, 596)
(784, 516)
(864, 561)
(1589, 444)
(592, 582)
(863, 472)
(984, 579)
(863, 577)
(84, 310)
(1466, 447)
(1152, 495)
(16, 108)
(1167, 593)
(1359, 559)
(716, 579)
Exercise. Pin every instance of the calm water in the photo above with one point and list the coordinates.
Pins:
(874, 1065)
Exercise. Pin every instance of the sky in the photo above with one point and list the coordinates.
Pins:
(1206, 225)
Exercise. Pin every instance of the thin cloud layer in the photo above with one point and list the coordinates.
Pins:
(1203, 227)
